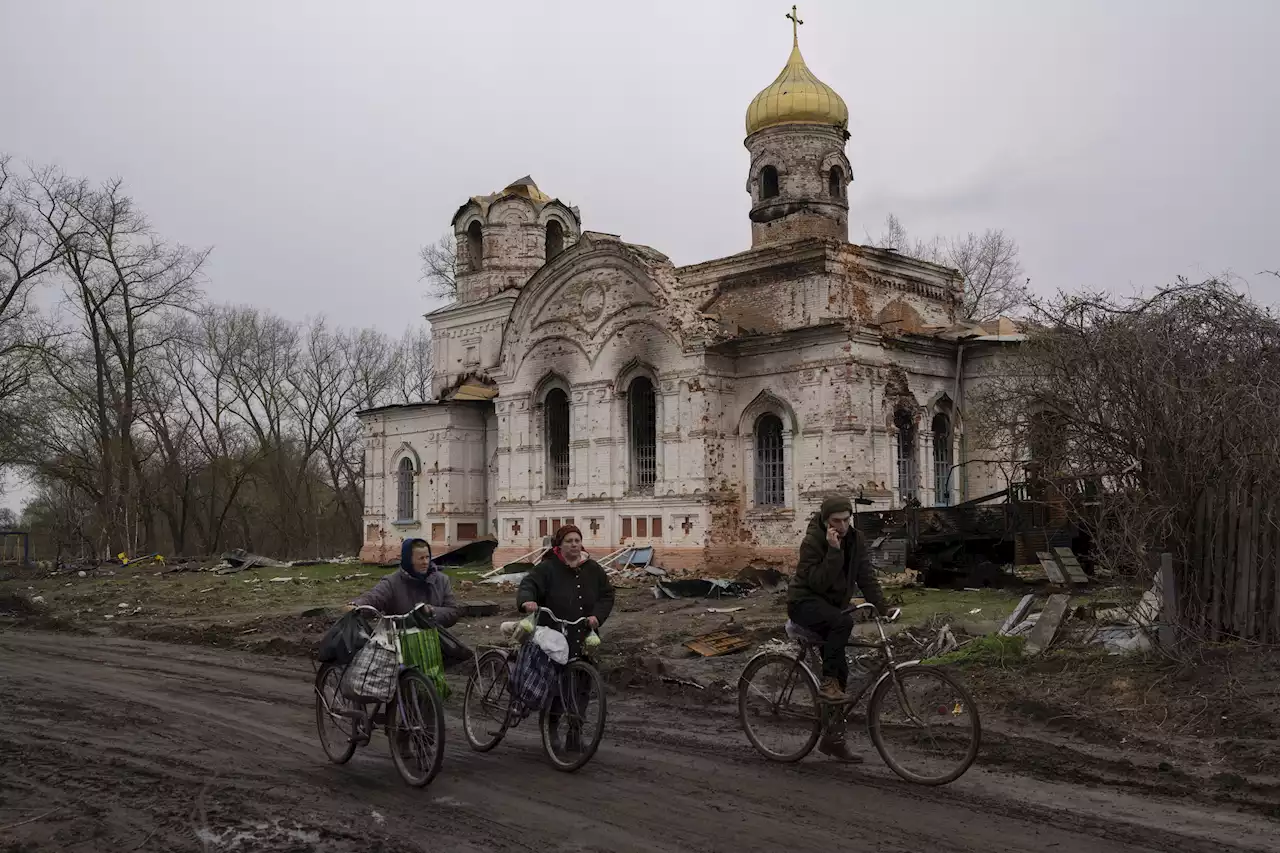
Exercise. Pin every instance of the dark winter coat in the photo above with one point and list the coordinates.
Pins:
(570, 594)
(834, 575)
(398, 593)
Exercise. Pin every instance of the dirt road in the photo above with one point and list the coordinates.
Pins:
(111, 744)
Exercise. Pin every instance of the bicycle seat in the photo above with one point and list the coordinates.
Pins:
(801, 634)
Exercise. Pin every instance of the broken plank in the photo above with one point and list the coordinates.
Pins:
(1070, 565)
(717, 643)
(1047, 625)
(480, 608)
(1051, 568)
(1019, 613)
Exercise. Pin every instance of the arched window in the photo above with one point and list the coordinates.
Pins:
(404, 490)
(907, 479)
(475, 247)
(555, 238)
(770, 473)
(768, 182)
(642, 416)
(942, 460)
(556, 418)
(835, 182)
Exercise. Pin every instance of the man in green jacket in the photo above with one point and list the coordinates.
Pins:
(833, 565)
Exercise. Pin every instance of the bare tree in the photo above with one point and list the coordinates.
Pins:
(994, 282)
(414, 367)
(1138, 410)
(440, 267)
(124, 282)
(27, 257)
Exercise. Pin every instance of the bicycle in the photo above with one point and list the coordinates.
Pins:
(890, 678)
(416, 726)
(490, 682)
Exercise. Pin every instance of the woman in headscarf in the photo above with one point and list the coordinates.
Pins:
(418, 581)
(571, 585)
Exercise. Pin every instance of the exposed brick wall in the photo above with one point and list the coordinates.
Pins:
(803, 156)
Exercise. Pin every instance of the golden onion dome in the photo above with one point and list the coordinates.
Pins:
(797, 97)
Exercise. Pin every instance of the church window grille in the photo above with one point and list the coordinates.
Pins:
(942, 459)
(907, 478)
(556, 412)
(770, 479)
(404, 490)
(642, 403)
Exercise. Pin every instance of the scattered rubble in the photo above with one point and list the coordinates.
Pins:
(699, 588)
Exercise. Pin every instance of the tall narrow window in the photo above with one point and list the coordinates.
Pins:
(644, 434)
(404, 490)
(942, 460)
(768, 182)
(770, 474)
(556, 413)
(555, 238)
(907, 479)
(475, 247)
(835, 182)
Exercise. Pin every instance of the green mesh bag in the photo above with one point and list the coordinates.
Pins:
(420, 649)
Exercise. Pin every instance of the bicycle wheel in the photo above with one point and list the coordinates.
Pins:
(486, 702)
(415, 728)
(933, 725)
(579, 715)
(337, 729)
(778, 707)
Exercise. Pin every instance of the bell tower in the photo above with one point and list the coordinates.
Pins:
(799, 176)
(502, 239)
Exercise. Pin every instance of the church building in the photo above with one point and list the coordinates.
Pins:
(705, 410)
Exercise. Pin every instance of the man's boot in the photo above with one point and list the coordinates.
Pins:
(833, 742)
(830, 690)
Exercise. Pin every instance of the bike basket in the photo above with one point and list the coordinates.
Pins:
(420, 649)
(534, 676)
(371, 676)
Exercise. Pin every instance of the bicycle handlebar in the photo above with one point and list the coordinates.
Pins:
(403, 617)
(565, 622)
(892, 615)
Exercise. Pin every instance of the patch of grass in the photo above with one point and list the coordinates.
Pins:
(919, 604)
(991, 650)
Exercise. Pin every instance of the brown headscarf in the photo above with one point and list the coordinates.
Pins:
(563, 532)
(558, 539)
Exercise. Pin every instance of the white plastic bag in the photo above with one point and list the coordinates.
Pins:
(553, 643)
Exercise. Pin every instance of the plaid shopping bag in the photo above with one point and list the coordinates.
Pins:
(534, 676)
(420, 648)
(371, 676)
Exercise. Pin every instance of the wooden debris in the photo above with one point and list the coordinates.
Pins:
(1019, 613)
(717, 643)
(1050, 567)
(480, 608)
(1071, 566)
(1047, 625)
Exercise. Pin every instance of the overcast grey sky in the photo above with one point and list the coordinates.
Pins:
(316, 145)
